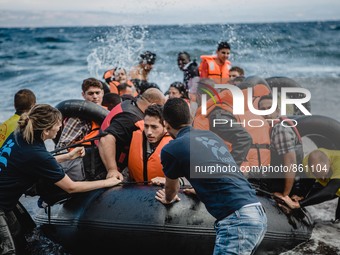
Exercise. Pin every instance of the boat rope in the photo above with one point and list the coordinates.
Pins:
(81, 143)
(184, 186)
(134, 182)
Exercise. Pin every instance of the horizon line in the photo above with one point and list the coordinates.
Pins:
(168, 24)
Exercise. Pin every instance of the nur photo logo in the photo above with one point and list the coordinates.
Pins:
(239, 99)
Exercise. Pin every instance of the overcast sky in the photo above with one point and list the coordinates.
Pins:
(32, 13)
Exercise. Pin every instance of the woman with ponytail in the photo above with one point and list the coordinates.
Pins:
(24, 160)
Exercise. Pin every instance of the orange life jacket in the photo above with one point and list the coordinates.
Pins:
(107, 76)
(220, 74)
(114, 84)
(259, 153)
(141, 167)
(95, 127)
(259, 90)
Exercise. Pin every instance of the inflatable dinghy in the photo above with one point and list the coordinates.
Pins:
(127, 219)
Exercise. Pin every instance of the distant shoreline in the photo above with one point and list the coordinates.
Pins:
(52, 19)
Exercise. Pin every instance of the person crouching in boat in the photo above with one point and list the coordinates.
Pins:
(144, 161)
(120, 124)
(227, 195)
(24, 160)
(286, 150)
(324, 166)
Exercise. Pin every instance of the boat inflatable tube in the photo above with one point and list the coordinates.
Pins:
(128, 219)
(318, 131)
(251, 81)
(279, 82)
(83, 109)
(259, 88)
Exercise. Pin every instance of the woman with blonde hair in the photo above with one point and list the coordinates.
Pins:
(24, 160)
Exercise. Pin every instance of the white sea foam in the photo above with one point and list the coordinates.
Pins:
(325, 235)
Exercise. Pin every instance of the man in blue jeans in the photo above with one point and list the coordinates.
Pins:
(202, 157)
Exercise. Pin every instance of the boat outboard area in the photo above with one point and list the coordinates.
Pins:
(127, 219)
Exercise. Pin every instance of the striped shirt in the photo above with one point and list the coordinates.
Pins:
(283, 139)
(74, 130)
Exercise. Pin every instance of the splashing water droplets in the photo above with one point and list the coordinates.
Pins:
(120, 47)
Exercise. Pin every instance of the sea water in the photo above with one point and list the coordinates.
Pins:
(53, 62)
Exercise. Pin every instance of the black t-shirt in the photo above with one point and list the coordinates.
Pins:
(21, 165)
(121, 127)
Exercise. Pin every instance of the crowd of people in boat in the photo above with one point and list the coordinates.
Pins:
(151, 137)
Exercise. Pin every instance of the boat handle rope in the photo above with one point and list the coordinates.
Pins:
(149, 182)
(81, 143)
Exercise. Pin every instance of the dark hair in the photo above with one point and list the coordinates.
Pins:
(156, 111)
(181, 88)
(110, 100)
(148, 57)
(91, 82)
(142, 85)
(120, 68)
(122, 86)
(237, 69)
(24, 99)
(106, 87)
(128, 97)
(223, 45)
(269, 97)
(183, 53)
(176, 112)
(237, 80)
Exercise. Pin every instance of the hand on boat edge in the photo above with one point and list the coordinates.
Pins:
(111, 182)
(160, 196)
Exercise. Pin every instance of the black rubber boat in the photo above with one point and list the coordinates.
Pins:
(128, 219)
